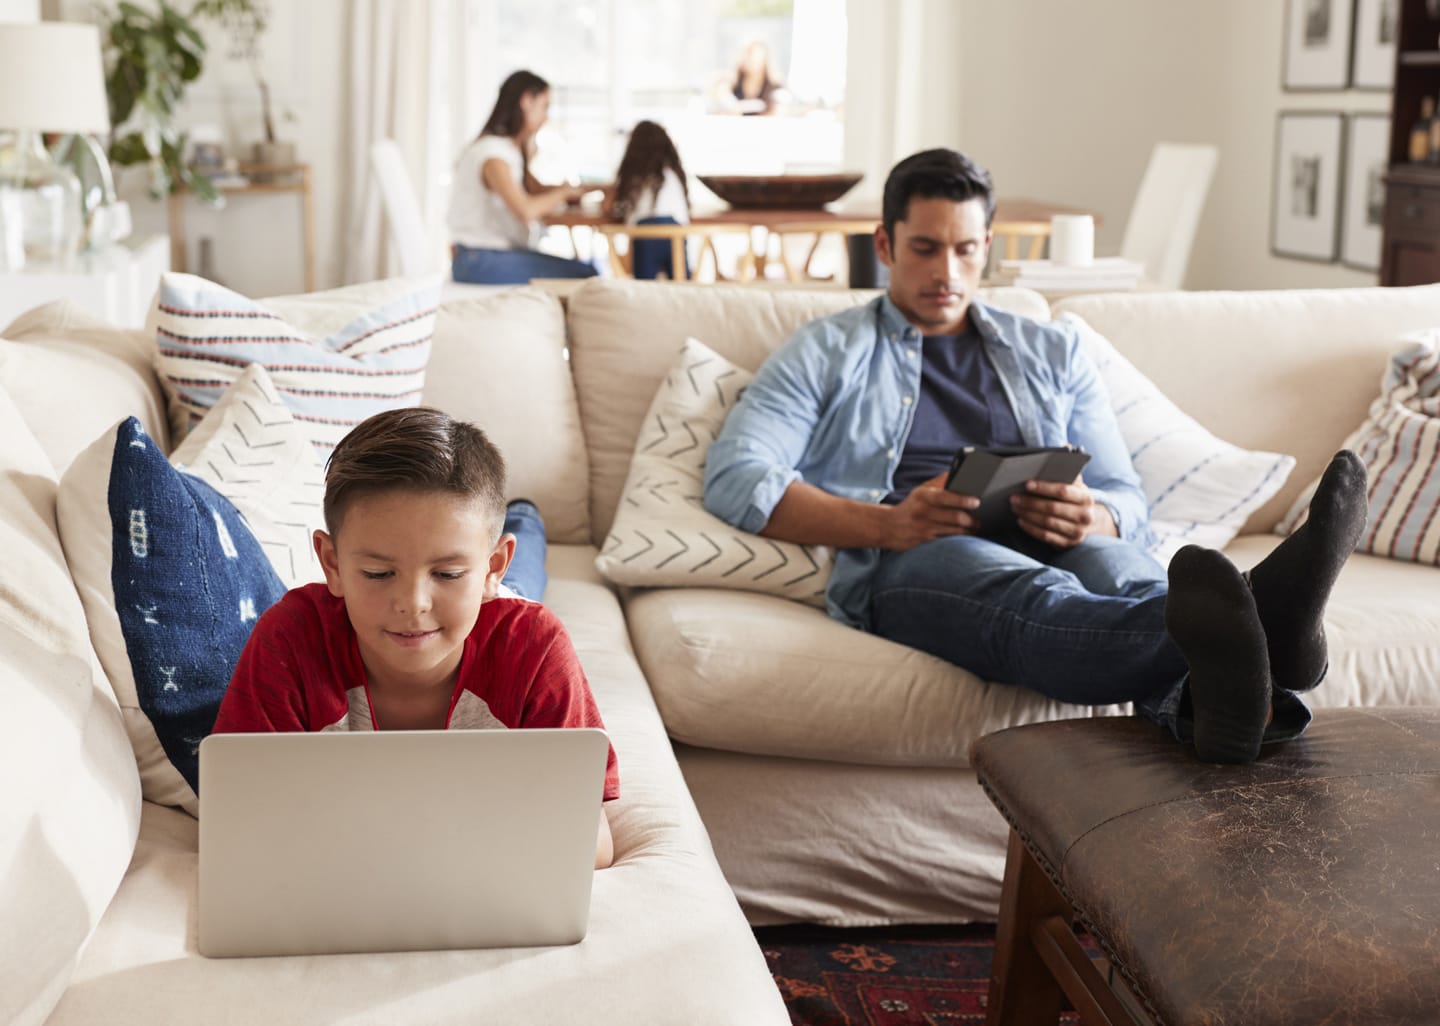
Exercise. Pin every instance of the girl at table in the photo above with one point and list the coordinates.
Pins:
(650, 189)
(496, 204)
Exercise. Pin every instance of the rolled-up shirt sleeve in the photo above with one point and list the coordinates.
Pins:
(762, 445)
(1109, 475)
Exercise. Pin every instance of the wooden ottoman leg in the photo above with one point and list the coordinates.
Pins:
(1022, 991)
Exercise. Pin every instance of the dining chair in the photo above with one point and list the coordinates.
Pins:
(1166, 213)
(677, 235)
(407, 225)
(784, 229)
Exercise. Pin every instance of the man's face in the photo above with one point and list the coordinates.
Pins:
(413, 569)
(935, 260)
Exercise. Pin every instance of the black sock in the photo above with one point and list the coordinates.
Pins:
(1293, 583)
(1211, 615)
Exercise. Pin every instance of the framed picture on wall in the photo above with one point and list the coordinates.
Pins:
(1305, 198)
(1377, 22)
(1367, 137)
(1317, 44)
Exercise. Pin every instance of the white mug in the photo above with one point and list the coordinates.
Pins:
(1072, 240)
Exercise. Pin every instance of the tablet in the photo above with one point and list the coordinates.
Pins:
(994, 474)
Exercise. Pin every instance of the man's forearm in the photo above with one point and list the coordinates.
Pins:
(812, 516)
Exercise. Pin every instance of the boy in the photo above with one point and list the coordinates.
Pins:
(410, 630)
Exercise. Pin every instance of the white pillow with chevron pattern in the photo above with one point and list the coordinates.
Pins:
(250, 449)
(662, 536)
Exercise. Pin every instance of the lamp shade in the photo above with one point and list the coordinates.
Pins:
(52, 78)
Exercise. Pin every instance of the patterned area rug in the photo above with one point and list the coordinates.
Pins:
(882, 976)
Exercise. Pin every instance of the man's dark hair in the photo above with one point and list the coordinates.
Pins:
(935, 174)
(416, 449)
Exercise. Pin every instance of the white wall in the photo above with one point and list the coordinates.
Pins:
(1064, 100)
(19, 10)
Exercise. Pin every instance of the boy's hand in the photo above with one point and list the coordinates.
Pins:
(1061, 514)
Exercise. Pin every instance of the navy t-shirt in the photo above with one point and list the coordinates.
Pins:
(961, 403)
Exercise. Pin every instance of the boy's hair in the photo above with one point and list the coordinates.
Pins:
(642, 169)
(935, 174)
(415, 449)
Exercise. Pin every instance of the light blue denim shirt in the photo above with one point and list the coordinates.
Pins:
(833, 407)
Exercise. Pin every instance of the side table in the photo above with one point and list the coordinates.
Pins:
(281, 179)
(115, 284)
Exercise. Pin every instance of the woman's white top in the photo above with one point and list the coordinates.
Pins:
(478, 216)
(666, 201)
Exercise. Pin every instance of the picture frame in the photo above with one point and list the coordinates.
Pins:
(1317, 44)
(1305, 194)
(1362, 213)
(1377, 25)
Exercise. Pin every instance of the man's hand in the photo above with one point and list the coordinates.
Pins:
(927, 513)
(1062, 514)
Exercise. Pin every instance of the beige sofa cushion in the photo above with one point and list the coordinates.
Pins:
(500, 362)
(70, 803)
(72, 376)
(754, 673)
(667, 941)
(1289, 372)
(624, 337)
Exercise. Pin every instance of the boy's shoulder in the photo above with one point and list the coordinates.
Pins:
(517, 621)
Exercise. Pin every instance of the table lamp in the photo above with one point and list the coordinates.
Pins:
(51, 80)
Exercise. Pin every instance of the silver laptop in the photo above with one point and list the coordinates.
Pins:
(398, 840)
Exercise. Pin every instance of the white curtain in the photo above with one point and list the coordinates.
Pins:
(393, 78)
(903, 83)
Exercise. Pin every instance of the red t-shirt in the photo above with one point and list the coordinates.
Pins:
(301, 671)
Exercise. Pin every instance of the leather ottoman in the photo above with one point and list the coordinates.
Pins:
(1303, 888)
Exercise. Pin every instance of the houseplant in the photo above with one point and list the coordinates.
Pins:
(152, 55)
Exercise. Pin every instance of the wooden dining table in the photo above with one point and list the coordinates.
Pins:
(1012, 215)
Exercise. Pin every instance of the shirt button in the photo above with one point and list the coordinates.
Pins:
(910, 353)
(905, 399)
(892, 336)
(874, 493)
(889, 454)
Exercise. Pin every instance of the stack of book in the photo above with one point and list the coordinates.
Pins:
(1104, 274)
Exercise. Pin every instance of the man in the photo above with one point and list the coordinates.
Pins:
(843, 439)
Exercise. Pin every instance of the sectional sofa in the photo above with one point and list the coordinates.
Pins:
(767, 753)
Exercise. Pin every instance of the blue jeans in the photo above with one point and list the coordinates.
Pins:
(526, 576)
(1084, 625)
(513, 266)
(649, 258)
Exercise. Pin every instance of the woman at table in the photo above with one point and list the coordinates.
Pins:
(496, 204)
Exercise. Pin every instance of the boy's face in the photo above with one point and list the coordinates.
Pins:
(413, 569)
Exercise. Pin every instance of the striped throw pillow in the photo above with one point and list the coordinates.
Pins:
(1200, 488)
(1399, 443)
(208, 334)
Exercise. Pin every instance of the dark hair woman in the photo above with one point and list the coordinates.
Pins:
(496, 204)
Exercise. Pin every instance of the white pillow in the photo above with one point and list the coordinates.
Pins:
(174, 571)
(662, 536)
(1399, 443)
(346, 367)
(1200, 489)
(70, 804)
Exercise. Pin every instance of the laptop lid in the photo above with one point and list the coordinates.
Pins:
(397, 840)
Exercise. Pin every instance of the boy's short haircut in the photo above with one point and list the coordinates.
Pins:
(415, 449)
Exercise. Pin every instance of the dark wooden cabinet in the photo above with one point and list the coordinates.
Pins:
(1411, 229)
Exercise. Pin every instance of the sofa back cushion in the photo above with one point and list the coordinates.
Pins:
(1284, 371)
(70, 806)
(500, 362)
(71, 376)
(624, 337)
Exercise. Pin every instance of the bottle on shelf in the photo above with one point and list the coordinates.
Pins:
(1421, 149)
(1434, 155)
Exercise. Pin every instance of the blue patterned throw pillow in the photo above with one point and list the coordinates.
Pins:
(173, 580)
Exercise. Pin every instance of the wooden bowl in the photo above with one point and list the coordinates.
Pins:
(790, 192)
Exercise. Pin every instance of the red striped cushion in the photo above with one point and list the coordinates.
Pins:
(1400, 445)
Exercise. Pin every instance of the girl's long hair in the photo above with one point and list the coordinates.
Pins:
(642, 169)
(507, 118)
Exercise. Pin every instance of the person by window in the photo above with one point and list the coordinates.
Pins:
(496, 205)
